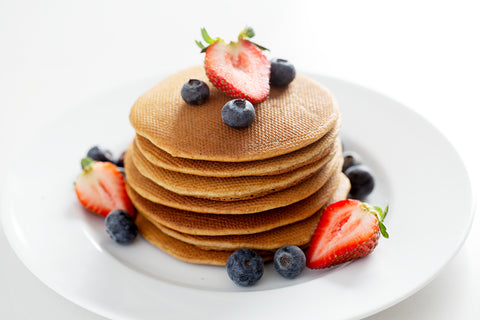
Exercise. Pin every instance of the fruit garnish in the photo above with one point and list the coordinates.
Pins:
(121, 227)
(239, 69)
(98, 154)
(282, 72)
(360, 175)
(361, 180)
(238, 113)
(245, 267)
(347, 230)
(195, 92)
(350, 159)
(100, 188)
(289, 261)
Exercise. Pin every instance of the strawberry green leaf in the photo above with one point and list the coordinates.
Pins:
(249, 33)
(200, 44)
(385, 211)
(383, 229)
(246, 33)
(206, 37)
(87, 163)
(259, 46)
(382, 213)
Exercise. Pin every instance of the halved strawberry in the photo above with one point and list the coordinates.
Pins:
(101, 188)
(347, 230)
(240, 69)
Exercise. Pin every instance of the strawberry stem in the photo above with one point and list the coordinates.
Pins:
(245, 34)
(380, 214)
(248, 33)
(87, 163)
(207, 39)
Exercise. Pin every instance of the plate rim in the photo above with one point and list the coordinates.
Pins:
(470, 215)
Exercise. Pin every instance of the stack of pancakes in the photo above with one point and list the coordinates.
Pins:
(203, 189)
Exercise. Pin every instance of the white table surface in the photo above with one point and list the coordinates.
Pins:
(56, 54)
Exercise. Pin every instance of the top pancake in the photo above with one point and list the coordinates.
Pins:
(290, 119)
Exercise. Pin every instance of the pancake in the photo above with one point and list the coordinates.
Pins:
(195, 254)
(182, 250)
(290, 119)
(298, 234)
(155, 193)
(225, 188)
(213, 224)
(277, 165)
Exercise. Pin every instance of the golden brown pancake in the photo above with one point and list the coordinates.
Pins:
(155, 193)
(225, 188)
(290, 119)
(182, 250)
(298, 234)
(195, 254)
(213, 224)
(203, 189)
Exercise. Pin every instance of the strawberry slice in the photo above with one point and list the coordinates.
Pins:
(239, 69)
(101, 188)
(347, 230)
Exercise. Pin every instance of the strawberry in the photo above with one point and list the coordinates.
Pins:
(239, 69)
(347, 230)
(101, 188)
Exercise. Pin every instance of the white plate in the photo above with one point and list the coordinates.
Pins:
(418, 172)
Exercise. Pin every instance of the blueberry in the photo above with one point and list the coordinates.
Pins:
(289, 261)
(120, 226)
(245, 267)
(195, 92)
(350, 158)
(282, 72)
(238, 113)
(362, 181)
(98, 154)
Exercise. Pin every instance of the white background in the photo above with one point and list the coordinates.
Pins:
(56, 54)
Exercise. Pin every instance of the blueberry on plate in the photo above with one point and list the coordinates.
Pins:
(195, 92)
(98, 154)
(289, 261)
(245, 267)
(282, 72)
(121, 227)
(350, 158)
(361, 180)
(238, 113)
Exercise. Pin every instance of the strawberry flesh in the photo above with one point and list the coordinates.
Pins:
(100, 188)
(347, 230)
(239, 69)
